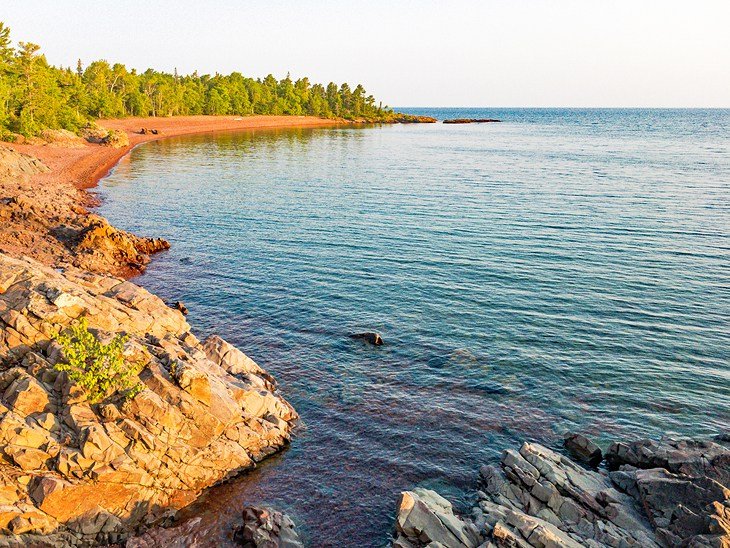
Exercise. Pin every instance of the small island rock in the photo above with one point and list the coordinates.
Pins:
(369, 336)
(470, 120)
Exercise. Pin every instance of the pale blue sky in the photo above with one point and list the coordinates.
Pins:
(414, 53)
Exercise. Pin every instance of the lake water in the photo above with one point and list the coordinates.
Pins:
(561, 270)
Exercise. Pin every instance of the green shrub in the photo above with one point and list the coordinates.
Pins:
(98, 368)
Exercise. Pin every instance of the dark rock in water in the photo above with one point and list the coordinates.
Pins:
(414, 119)
(470, 120)
(583, 449)
(181, 307)
(266, 528)
(369, 336)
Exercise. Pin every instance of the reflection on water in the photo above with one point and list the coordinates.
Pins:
(561, 270)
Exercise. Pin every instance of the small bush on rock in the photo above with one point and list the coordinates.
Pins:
(98, 368)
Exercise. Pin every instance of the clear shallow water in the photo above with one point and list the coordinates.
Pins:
(565, 269)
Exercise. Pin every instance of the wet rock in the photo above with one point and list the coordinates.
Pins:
(369, 336)
(181, 307)
(266, 528)
(583, 449)
(423, 517)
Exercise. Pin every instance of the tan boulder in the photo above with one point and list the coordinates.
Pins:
(26, 395)
(193, 381)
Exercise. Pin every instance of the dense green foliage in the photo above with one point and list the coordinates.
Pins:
(100, 369)
(35, 95)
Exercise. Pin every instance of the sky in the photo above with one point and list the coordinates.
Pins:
(510, 53)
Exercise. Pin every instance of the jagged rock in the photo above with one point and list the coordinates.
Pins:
(235, 362)
(709, 458)
(27, 396)
(423, 517)
(684, 510)
(99, 471)
(14, 163)
(369, 337)
(583, 449)
(266, 528)
(537, 498)
(181, 307)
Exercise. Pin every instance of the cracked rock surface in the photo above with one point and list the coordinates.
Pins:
(73, 472)
(658, 493)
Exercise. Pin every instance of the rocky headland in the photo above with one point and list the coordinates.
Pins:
(652, 493)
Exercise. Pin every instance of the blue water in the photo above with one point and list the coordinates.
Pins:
(564, 269)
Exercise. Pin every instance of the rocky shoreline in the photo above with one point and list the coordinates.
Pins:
(652, 493)
(77, 472)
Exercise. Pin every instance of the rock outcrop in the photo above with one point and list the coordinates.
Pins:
(583, 449)
(47, 223)
(682, 486)
(425, 518)
(267, 528)
(74, 472)
(399, 118)
(667, 493)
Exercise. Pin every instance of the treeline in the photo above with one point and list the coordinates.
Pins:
(35, 95)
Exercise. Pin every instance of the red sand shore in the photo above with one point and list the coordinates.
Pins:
(84, 166)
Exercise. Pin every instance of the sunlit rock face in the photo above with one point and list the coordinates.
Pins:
(75, 471)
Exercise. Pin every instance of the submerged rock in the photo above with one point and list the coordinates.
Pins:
(97, 471)
(369, 336)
